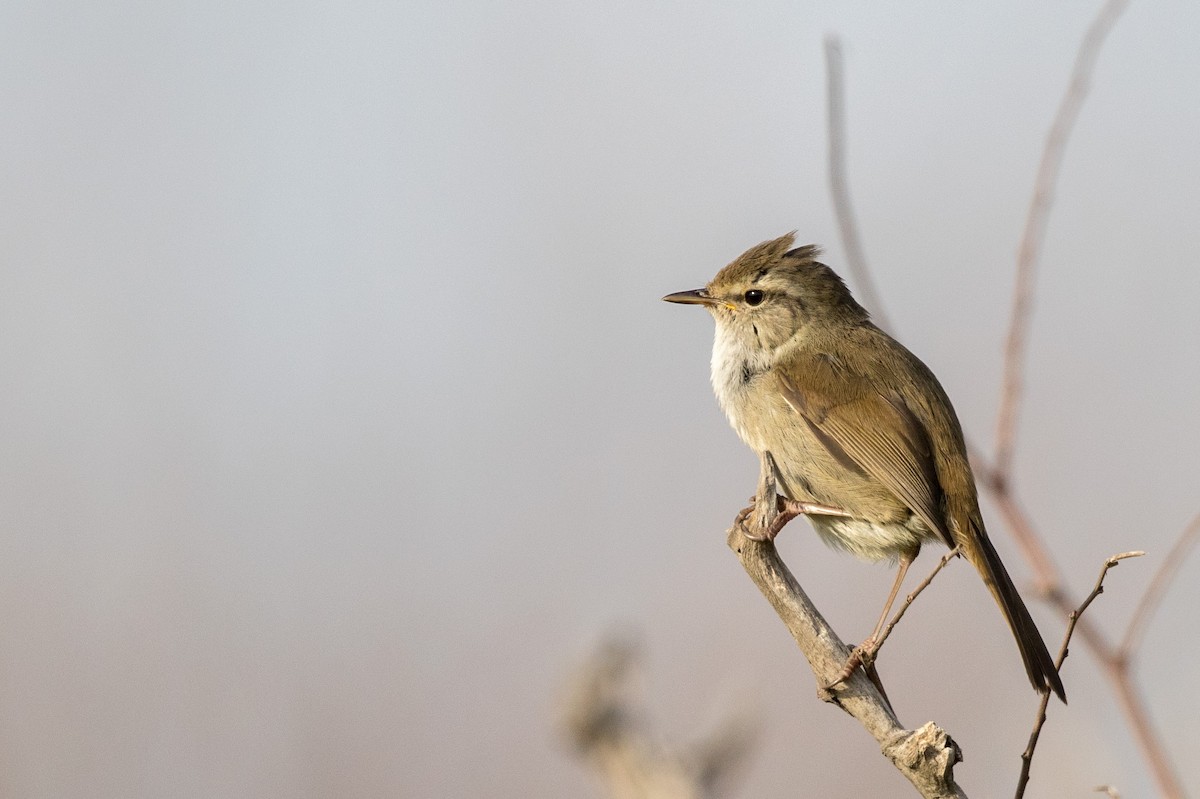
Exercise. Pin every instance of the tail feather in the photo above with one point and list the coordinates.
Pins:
(1039, 664)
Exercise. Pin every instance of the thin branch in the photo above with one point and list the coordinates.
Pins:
(1158, 586)
(1073, 619)
(839, 186)
(926, 757)
(1035, 227)
(1051, 585)
(908, 600)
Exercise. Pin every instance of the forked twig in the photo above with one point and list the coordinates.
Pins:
(1072, 620)
(1113, 664)
(1035, 227)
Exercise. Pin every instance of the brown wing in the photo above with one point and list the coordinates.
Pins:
(878, 435)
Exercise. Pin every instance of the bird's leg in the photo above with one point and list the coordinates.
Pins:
(865, 652)
(786, 510)
(769, 512)
(906, 560)
(796, 508)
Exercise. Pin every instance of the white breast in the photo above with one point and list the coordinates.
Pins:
(735, 364)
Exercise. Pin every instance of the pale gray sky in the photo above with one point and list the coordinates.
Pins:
(343, 416)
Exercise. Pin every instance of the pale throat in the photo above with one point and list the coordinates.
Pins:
(738, 359)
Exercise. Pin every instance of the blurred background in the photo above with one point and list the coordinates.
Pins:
(341, 417)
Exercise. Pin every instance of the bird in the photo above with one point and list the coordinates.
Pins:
(862, 437)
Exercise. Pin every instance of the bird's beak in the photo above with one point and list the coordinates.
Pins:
(696, 297)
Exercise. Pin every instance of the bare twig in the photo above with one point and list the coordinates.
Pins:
(908, 600)
(1072, 620)
(1116, 669)
(926, 757)
(839, 187)
(1158, 586)
(1035, 226)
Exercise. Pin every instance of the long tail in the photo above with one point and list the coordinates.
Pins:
(1039, 665)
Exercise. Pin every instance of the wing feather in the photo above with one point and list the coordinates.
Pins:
(880, 436)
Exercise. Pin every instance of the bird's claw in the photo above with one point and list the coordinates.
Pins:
(785, 510)
(861, 655)
(747, 522)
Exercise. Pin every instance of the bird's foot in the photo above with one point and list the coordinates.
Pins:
(862, 655)
(759, 528)
(755, 526)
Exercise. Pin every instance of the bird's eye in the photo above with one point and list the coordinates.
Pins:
(754, 297)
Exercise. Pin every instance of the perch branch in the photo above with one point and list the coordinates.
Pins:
(926, 757)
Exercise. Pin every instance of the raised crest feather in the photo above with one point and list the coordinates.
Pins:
(757, 259)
